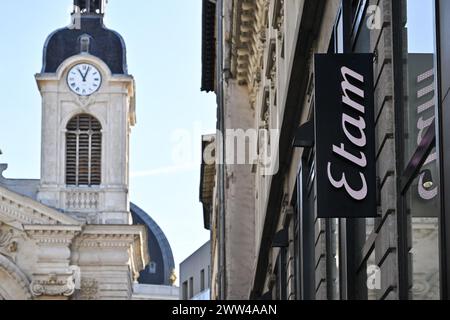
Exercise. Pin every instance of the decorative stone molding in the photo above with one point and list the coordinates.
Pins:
(103, 241)
(89, 290)
(51, 275)
(53, 285)
(21, 280)
(52, 235)
(85, 101)
(109, 234)
(131, 238)
(8, 243)
(249, 42)
(14, 211)
(3, 167)
(278, 18)
(173, 277)
(17, 210)
(82, 200)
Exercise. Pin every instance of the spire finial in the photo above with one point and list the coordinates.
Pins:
(89, 6)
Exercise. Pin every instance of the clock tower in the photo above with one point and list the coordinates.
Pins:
(88, 109)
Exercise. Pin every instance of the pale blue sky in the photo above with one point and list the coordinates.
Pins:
(420, 26)
(164, 55)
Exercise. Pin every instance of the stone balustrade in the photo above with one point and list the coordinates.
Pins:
(76, 200)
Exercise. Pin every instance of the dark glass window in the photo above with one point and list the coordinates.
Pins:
(191, 288)
(202, 280)
(422, 203)
(361, 33)
(296, 225)
(185, 290)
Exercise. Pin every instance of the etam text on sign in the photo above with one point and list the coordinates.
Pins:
(359, 190)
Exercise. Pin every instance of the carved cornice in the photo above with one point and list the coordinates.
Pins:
(257, 24)
(52, 235)
(18, 210)
(133, 237)
(108, 236)
(249, 41)
(105, 241)
(52, 285)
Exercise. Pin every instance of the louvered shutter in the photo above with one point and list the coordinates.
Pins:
(83, 151)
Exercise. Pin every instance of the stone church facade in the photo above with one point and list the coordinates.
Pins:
(70, 235)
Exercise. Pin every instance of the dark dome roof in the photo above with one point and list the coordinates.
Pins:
(159, 250)
(105, 44)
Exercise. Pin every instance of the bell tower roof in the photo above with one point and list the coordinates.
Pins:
(86, 34)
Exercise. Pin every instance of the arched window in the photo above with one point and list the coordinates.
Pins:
(83, 151)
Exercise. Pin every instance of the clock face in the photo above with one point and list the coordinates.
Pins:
(84, 79)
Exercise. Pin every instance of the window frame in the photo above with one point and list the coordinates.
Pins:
(442, 141)
(306, 222)
(191, 288)
(432, 139)
(73, 146)
(202, 280)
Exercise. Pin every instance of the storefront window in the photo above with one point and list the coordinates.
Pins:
(419, 73)
(422, 197)
(424, 252)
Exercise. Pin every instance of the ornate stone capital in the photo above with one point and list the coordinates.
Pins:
(89, 290)
(52, 285)
(8, 243)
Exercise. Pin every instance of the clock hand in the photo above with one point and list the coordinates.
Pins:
(87, 72)
(81, 74)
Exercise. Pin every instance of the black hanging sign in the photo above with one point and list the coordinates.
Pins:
(345, 136)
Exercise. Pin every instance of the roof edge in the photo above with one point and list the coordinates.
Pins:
(163, 242)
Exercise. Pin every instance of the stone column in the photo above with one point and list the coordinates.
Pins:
(52, 278)
(110, 259)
